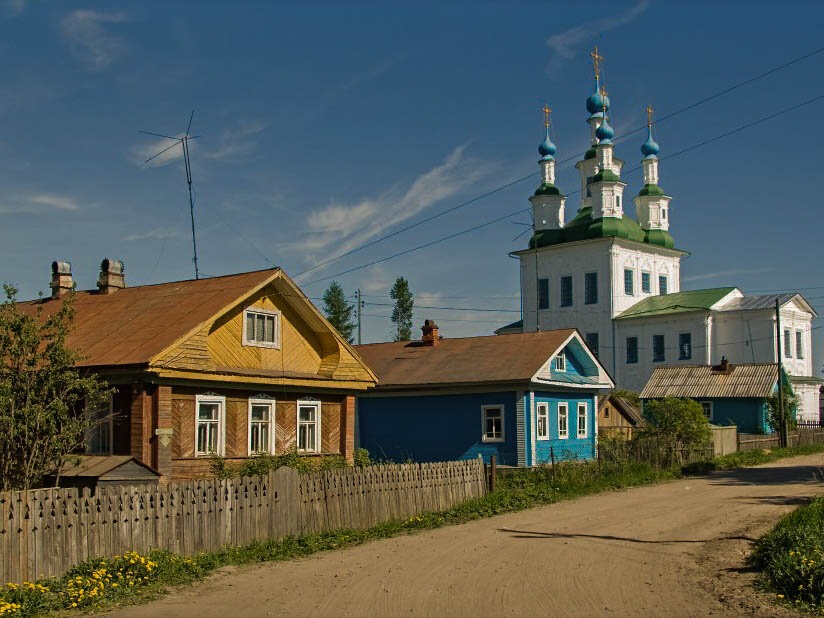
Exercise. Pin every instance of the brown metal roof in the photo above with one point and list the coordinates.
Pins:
(134, 324)
(98, 465)
(747, 380)
(495, 358)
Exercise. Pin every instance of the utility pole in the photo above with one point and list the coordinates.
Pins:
(782, 431)
(360, 306)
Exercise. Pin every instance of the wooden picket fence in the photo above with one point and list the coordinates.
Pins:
(801, 436)
(45, 532)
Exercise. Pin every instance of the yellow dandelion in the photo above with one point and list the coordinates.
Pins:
(780, 596)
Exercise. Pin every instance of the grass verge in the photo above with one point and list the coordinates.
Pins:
(745, 459)
(791, 558)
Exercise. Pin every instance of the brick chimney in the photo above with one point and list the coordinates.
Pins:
(724, 367)
(430, 333)
(111, 277)
(61, 280)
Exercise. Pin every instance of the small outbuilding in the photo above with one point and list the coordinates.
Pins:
(95, 471)
(729, 394)
(617, 416)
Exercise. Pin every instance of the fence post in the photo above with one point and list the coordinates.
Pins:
(493, 473)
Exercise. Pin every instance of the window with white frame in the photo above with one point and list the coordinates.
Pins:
(707, 407)
(261, 426)
(543, 420)
(99, 438)
(209, 424)
(629, 283)
(309, 426)
(788, 344)
(582, 419)
(563, 420)
(261, 328)
(559, 362)
(493, 423)
(646, 278)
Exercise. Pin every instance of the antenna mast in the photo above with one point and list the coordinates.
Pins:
(184, 143)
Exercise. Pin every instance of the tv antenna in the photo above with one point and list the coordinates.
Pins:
(183, 142)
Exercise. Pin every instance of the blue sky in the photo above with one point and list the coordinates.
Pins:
(325, 126)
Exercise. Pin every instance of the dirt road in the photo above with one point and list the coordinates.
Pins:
(675, 549)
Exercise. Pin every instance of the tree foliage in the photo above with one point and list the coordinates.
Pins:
(338, 310)
(676, 423)
(774, 418)
(402, 313)
(42, 394)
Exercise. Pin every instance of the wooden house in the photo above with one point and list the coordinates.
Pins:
(233, 365)
(617, 416)
(522, 397)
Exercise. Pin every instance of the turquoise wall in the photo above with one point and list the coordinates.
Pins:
(749, 414)
(571, 447)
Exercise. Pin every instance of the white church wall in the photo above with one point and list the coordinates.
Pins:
(642, 259)
(808, 401)
(743, 337)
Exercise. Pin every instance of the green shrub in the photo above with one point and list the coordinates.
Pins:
(362, 458)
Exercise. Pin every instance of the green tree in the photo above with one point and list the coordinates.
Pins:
(675, 424)
(338, 310)
(774, 418)
(42, 394)
(402, 313)
(630, 396)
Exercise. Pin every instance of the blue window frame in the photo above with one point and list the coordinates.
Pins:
(632, 350)
(646, 285)
(685, 346)
(566, 291)
(629, 282)
(543, 293)
(658, 350)
(591, 288)
(662, 285)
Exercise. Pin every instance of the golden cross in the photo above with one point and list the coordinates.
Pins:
(649, 115)
(604, 99)
(596, 61)
(547, 112)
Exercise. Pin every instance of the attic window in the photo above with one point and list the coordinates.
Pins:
(261, 328)
(559, 362)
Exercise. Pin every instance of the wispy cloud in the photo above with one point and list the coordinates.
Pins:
(726, 273)
(156, 234)
(13, 8)
(563, 45)
(344, 226)
(237, 143)
(39, 202)
(90, 40)
(169, 152)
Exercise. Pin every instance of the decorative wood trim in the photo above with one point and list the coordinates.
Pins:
(278, 328)
(221, 426)
(317, 404)
(272, 403)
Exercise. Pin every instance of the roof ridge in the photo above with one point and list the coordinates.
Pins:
(493, 336)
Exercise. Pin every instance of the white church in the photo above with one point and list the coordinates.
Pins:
(617, 279)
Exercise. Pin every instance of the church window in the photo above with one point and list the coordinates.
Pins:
(629, 283)
(592, 343)
(632, 350)
(617, 202)
(543, 293)
(685, 346)
(589, 190)
(788, 344)
(663, 214)
(658, 355)
(799, 347)
(646, 285)
(662, 285)
(566, 291)
(590, 288)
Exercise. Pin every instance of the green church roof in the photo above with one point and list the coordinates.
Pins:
(547, 189)
(606, 174)
(590, 154)
(651, 190)
(680, 302)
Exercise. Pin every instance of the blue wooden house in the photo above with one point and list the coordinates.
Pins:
(730, 394)
(522, 397)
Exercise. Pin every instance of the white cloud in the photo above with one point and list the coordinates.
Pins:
(726, 273)
(237, 143)
(156, 234)
(563, 44)
(89, 40)
(346, 226)
(39, 202)
(169, 152)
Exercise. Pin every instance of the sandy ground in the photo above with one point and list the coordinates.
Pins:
(675, 549)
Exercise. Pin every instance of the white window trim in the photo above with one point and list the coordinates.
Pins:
(712, 411)
(542, 408)
(221, 422)
(649, 274)
(565, 406)
(585, 433)
(799, 349)
(260, 402)
(632, 281)
(496, 406)
(559, 366)
(260, 344)
(109, 422)
(318, 415)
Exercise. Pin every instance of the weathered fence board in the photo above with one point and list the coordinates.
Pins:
(45, 532)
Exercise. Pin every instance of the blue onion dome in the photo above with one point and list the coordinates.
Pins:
(650, 147)
(546, 148)
(596, 102)
(604, 132)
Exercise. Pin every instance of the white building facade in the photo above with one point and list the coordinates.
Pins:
(617, 279)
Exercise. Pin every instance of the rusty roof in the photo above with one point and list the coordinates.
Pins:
(746, 380)
(466, 360)
(132, 325)
(98, 465)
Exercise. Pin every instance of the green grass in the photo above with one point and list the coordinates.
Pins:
(744, 459)
(791, 557)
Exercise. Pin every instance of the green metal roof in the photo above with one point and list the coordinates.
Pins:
(680, 302)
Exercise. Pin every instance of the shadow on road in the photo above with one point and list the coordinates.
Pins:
(531, 534)
(783, 475)
(774, 500)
